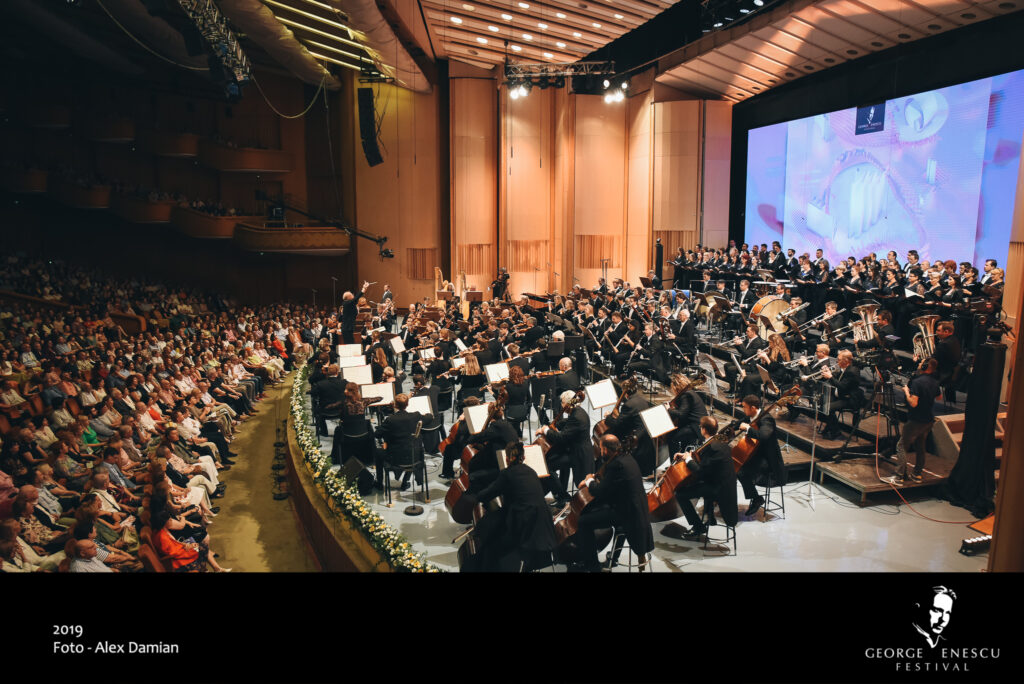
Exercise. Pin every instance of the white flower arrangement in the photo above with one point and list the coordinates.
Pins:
(395, 548)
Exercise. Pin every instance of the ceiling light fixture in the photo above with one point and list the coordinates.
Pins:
(456, 20)
(506, 17)
(495, 29)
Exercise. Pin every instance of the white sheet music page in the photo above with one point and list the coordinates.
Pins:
(496, 372)
(349, 350)
(420, 405)
(397, 345)
(384, 390)
(476, 416)
(361, 375)
(602, 394)
(657, 421)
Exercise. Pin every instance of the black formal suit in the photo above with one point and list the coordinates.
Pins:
(746, 299)
(532, 336)
(527, 528)
(743, 352)
(686, 416)
(349, 311)
(539, 362)
(847, 394)
(402, 449)
(567, 381)
(572, 437)
(716, 483)
(484, 466)
(326, 392)
(619, 500)
(627, 422)
(766, 455)
(522, 362)
(433, 427)
(650, 350)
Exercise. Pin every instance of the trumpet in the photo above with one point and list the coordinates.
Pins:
(818, 319)
(795, 363)
(816, 374)
(791, 310)
(754, 356)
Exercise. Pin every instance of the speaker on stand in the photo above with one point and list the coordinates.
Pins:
(659, 260)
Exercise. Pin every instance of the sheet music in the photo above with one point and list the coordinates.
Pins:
(496, 371)
(350, 361)
(602, 394)
(476, 416)
(420, 405)
(460, 345)
(384, 390)
(427, 353)
(349, 350)
(910, 293)
(533, 456)
(657, 421)
(361, 375)
(397, 345)
(458, 362)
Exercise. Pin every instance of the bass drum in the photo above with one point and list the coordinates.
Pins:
(765, 311)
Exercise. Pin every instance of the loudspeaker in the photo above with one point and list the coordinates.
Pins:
(355, 472)
(659, 259)
(971, 483)
(368, 127)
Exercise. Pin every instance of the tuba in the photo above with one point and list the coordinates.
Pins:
(868, 319)
(924, 341)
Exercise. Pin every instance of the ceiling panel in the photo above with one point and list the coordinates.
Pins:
(805, 37)
(552, 31)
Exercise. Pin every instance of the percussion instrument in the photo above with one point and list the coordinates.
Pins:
(766, 311)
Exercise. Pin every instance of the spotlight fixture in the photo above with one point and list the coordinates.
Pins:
(606, 83)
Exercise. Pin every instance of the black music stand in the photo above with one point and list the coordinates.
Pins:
(556, 349)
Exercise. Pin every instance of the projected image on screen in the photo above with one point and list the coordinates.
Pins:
(934, 171)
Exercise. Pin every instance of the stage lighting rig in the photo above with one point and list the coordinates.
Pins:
(521, 77)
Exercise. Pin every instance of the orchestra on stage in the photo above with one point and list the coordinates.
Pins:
(771, 333)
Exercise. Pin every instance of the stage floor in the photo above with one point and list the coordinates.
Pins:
(826, 529)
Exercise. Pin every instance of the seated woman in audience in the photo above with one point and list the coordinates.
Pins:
(72, 471)
(190, 556)
(42, 538)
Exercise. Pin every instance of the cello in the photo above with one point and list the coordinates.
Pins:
(744, 448)
(576, 401)
(568, 519)
(459, 507)
(661, 500)
(629, 388)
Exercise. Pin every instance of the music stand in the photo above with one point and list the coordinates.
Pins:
(646, 282)
(446, 295)
(572, 342)
(556, 349)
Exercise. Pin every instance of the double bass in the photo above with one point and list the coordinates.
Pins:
(744, 448)
(661, 500)
(461, 508)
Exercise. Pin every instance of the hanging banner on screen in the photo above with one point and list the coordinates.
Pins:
(870, 119)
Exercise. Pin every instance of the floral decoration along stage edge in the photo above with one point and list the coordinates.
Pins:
(397, 551)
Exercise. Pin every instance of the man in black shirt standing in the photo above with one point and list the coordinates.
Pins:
(920, 394)
(349, 311)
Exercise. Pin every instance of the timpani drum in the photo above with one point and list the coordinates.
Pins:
(765, 311)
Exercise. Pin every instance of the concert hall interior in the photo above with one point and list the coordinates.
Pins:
(501, 286)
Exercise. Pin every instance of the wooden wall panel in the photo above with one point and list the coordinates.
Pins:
(421, 262)
(717, 151)
(600, 182)
(592, 249)
(474, 178)
(400, 198)
(563, 190)
(676, 165)
(527, 132)
(672, 240)
(639, 254)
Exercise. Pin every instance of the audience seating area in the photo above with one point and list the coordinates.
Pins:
(114, 447)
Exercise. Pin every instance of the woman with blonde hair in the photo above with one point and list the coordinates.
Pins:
(471, 379)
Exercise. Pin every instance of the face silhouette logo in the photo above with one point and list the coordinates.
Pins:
(871, 115)
(934, 616)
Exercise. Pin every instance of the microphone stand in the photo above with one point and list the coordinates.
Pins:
(816, 401)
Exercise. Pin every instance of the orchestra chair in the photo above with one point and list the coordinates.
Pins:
(538, 562)
(773, 505)
(856, 416)
(730, 536)
(446, 400)
(542, 390)
(517, 414)
(618, 541)
(416, 462)
(435, 423)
